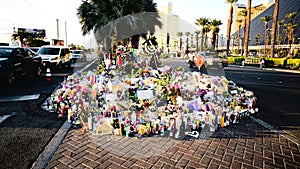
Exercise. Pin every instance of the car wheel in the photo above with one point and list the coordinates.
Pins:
(11, 78)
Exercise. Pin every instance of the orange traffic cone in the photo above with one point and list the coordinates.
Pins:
(48, 76)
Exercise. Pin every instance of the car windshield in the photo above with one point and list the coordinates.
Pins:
(210, 54)
(5, 52)
(35, 49)
(49, 51)
(77, 52)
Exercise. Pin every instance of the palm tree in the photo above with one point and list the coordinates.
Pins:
(247, 27)
(217, 30)
(279, 23)
(291, 16)
(197, 32)
(214, 25)
(192, 37)
(206, 30)
(187, 34)
(274, 26)
(203, 22)
(231, 2)
(180, 34)
(239, 21)
(233, 43)
(97, 16)
(243, 13)
(266, 20)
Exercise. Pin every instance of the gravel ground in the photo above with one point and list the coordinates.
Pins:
(24, 135)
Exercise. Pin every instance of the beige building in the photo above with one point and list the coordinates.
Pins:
(170, 25)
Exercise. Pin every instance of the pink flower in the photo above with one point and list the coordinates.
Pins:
(85, 90)
(168, 87)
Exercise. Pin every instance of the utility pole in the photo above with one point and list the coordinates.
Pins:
(57, 28)
(66, 44)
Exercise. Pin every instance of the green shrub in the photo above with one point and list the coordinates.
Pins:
(235, 60)
(281, 62)
(293, 63)
(269, 63)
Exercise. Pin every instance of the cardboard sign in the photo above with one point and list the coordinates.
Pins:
(145, 94)
(111, 97)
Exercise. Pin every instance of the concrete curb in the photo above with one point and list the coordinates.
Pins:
(273, 129)
(282, 70)
(49, 151)
(44, 158)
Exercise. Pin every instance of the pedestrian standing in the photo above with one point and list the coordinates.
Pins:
(262, 63)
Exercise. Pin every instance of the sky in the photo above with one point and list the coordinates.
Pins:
(190, 10)
(42, 14)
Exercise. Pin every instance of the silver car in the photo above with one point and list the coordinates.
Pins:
(213, 60)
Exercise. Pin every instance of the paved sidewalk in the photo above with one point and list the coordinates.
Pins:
(245, 145)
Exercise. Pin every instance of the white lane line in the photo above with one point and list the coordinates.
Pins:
(4, 117)
(279, 132)
(19, 98)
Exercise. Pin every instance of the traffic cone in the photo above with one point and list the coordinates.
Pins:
(48, 76)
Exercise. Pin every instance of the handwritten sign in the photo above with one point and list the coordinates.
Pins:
(145, 94)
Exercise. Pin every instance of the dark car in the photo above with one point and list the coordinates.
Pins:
(18, 61)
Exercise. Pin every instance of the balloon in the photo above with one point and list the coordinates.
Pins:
(199, 61)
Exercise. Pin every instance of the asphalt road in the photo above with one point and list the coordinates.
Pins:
(28, 128)
(278, 94)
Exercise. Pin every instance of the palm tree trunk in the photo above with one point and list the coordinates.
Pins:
(247, 29)
(197, 47)
(205, 41)
(229, 28)
(187, 45)
(213, 39)
(217, 41)
(239, 37)
(278, 35)
(180, 43)
(202, 39)
(266, 27)
(275, 18)
(244, 35)
(232, 45)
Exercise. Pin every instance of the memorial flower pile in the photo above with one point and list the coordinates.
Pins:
(148, 102)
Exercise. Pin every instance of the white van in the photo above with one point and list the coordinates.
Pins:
(55, 55)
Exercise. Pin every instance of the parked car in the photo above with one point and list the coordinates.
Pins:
(35, 49)
(55, 56)
(77, 55)
(18, 61)
(211, 60)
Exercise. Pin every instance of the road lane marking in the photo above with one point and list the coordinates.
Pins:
(4, 117)
(273, 129)
(19, 98)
